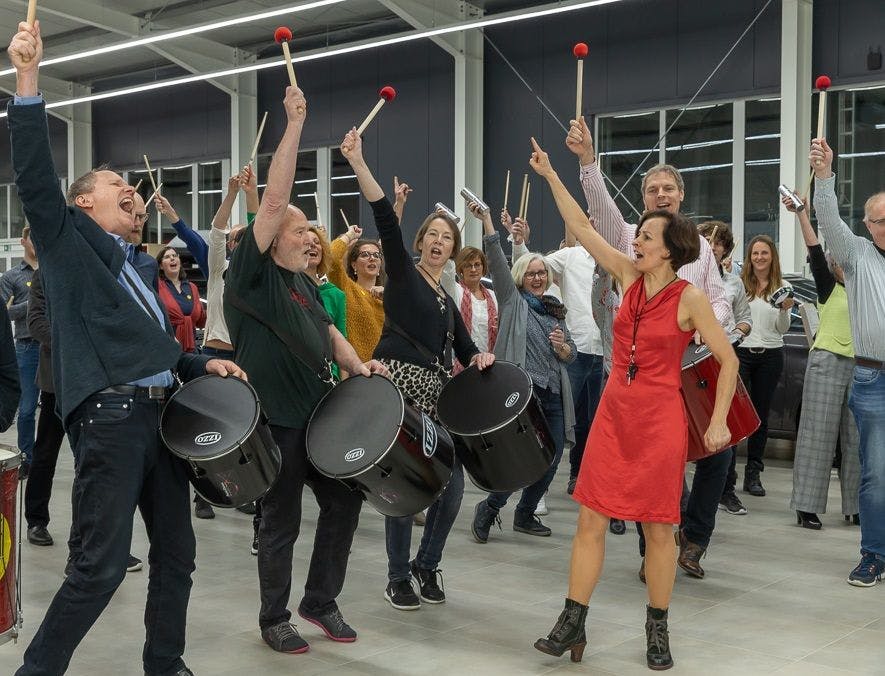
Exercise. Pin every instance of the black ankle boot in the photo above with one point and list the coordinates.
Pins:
(657, 639)
(808, 520)
(568, 632)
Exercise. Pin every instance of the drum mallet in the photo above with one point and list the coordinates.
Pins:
(257, 139)
(386, 94)
(580, 51)
(822, 84)
(282, 35)
(150, 174)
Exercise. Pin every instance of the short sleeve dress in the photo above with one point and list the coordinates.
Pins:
(635, 457)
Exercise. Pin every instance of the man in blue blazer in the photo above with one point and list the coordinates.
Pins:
(114, 361)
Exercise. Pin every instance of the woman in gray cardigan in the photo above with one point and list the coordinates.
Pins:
(531, 333)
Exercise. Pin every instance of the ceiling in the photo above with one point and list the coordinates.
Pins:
(71, 26)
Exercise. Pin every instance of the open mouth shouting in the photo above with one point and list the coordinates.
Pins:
(127, 204)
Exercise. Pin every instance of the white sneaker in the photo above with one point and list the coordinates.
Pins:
(541, 509)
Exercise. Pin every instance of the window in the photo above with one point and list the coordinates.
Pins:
(624, 141)
(761, 171)
(700, 146)
(305, 181)
(4, 216)
(211, 185)
(177, 188)
(16, 215)
(345, 192)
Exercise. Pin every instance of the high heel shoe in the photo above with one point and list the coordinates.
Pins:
(568, 632)
(808, 520)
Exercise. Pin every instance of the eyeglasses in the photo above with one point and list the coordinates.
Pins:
(473, 265)
(365, 255)
(540, 274)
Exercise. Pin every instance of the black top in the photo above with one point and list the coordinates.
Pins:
(412, 304)
(288, 390)
(105, 335)
(823, 277)
(9, 387)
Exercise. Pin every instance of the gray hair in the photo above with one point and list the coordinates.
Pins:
(668, 168)
(521, 264)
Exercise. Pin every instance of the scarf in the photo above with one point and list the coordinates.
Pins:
(184, 325)
(467, 315)
(545, 305)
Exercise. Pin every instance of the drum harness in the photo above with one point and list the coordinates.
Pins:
(443, 368)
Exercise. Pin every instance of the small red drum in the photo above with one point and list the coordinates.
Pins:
(10, 606)
(700, 374)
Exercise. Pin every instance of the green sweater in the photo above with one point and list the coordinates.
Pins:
(336, 305)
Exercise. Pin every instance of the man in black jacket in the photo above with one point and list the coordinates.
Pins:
(113, 359)
(9, 387)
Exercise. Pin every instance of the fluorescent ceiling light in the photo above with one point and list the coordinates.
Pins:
(327, 53)
(866, 89)
(880, 126)
(172, 35)
(707, 167)
(628, 115)
(846, 156)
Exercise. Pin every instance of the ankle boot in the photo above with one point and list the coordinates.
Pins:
(657, 639)
(568, 632)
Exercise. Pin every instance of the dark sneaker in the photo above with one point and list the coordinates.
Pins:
(868, 572)
(133, 564)
(529, 524)
(24, 470)
(402, 596)
(572, 483)
(202, 509)
(284, 638)
(483, 518)
(38, 535)
(248, 508)
(753, 485)
(332, 624)
(732, 504)
(427, 585)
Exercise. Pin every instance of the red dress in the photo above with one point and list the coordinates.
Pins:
(634, 460)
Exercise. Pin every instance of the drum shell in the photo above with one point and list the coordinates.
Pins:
(10, 620)
(511, 453)
(699, 382)
(402, 480)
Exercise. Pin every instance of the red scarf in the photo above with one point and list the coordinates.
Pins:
(467, 315)
(184, 325)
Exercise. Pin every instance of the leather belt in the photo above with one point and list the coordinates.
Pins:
(153, 393)
(870, 363)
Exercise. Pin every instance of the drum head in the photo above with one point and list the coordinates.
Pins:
(9, 458)
(208, 416)
(354, 425)
(475, 402)
(694, 354)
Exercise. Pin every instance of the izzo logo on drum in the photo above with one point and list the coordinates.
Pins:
(207, 438)
(428, 436)
(354, 454)
(511, 400)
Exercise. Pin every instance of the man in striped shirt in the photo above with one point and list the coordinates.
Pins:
(663, 188)
(864, 264)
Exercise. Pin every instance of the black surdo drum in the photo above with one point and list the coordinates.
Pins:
(507, 444)
(216, 425)
(364, 433)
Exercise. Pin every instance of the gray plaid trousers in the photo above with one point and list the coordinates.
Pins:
(824, 416)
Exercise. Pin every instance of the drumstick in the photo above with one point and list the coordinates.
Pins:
(282, 35)
(525, 183)
(316, 200)
(346, 223)
(386, 94)
(258, 139)
(138, 185)
(525, 208)
(31, 18)
(151, 198)
(822, 84)
(713, 234)
(150, 173)
(580, 51)
(506, 189)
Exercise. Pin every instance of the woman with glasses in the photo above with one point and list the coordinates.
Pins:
(355, 267)
(423, 325)
(180, 298)
(478, 305)
(532, 334)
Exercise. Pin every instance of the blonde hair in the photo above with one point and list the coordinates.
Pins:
(748, 276)
(326, 262)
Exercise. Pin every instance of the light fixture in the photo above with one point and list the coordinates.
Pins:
(880, 126)
(184, 32)
(327, 53)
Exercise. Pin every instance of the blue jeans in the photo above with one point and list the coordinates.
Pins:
(867, 403)
(585, 374)
(440, 518)
(551, 405)
(27, 353)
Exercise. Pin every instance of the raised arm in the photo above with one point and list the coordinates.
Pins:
(606, 216)
(400, 197)
(250, 190)
(272, 211)
(841, 241)
(606, 255)
(352, 149)
(191, 238)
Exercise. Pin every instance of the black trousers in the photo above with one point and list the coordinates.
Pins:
(281, 524)
(121, 464)
(38, 489)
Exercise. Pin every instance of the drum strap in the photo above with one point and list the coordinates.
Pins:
(443, 369)
(322, 368)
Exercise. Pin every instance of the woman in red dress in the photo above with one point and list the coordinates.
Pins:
(635, 456)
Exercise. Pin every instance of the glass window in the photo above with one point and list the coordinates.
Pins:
(16, 215)
(624, 141)
(700, 146)
(177, 187)
(4, 217)
(761, 171)
(345, 191)
(306, 184)
(211, 184)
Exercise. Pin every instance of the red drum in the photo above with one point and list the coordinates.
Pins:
(700, 374)
(10, 598)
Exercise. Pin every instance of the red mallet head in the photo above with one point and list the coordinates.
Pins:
(580, 50)
(387, 93)
(282, 34)
(822, 82)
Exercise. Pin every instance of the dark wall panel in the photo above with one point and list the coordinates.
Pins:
(58, 138)
(844, 31)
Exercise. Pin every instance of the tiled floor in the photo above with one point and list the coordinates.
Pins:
(774, 601)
